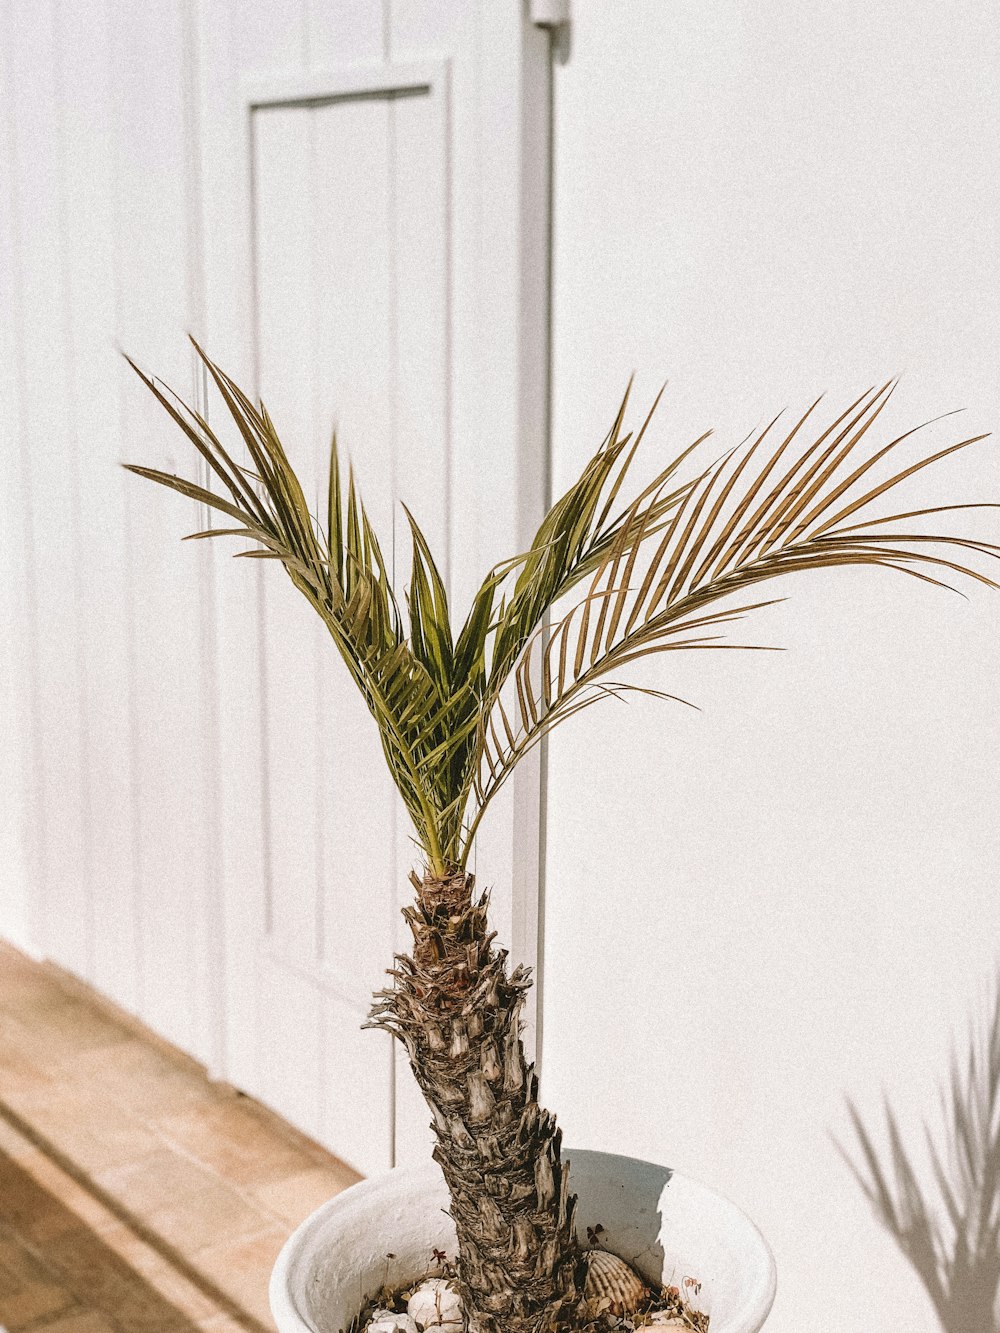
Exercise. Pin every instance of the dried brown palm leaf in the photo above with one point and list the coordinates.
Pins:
(749, 517)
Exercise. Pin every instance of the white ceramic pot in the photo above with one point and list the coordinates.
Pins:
(385, 1229)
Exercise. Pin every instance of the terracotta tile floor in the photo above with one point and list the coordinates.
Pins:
(135, 1195)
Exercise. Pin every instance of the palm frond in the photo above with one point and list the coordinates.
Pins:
(754, 515)
(341, 573)
(672, 569)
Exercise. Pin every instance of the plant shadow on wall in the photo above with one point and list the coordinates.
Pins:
(945, 1214)
(612, 576)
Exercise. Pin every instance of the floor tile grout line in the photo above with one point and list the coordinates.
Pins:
(247, 1191)
(242, 1190)
(157, 1243)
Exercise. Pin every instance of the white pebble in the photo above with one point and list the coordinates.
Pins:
(387, 1321)
(435, 1304)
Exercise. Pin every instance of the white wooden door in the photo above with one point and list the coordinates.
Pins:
(375, 261)
(347, 203)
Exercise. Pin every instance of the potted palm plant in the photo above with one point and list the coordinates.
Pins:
(607, 581)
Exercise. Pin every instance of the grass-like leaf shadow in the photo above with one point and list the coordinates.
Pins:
(945, 1216)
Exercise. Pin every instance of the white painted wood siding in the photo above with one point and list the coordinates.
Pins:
(111, 670)
(208, 836)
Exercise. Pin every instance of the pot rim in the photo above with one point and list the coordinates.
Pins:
(360, 1199)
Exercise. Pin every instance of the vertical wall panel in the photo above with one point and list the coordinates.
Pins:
(102, 182)
(421, 281)
(264, 38)
(354, 297)
(352, 227)
(49, 452)
(88, 185)
(18, 909)
(231, 40)
(153, 293)
(291, 1076)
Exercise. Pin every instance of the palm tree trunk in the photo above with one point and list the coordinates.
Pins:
(456, 1009)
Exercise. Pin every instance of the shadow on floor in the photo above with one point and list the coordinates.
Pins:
(41, 1235)
(53, 1267)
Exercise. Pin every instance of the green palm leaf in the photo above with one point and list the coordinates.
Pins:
(671, 570)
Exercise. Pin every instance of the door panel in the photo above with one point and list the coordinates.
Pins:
(350, 275)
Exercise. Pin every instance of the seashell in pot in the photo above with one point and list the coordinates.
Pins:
(435, 1304)
(610, 1279)
(387, 1321)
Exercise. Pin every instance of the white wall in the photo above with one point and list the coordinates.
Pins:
(15, 910)
(790, 896)
(105, 670)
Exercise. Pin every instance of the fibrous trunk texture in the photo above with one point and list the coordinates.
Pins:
(457, 1010)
